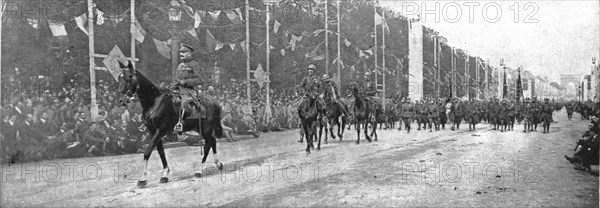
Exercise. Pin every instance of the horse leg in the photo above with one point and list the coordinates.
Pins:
(366, 122)
(357, 127)
(161, 152)
(374, 133)
(332, 122)
(143, 180)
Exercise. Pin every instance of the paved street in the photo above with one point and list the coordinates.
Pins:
(446, 168)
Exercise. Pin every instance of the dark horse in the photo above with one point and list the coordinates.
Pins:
(160, 116)
(363, 112)
(336, 112)
(309, 116)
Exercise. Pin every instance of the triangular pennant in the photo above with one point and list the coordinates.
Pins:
(193, 33)
(210, 40)
(163, 48)
(239, 12)
(260, 76)
(137, 33)
(378, 19)
(286, 33)
(271, 47)
(215, 14)
(57, 28)
(276, 26)
(243, 45)
(197, 20)
(100, 17)
(232, 46)
(188, 10)
(283, 52)
(80, 21)
(231, 15)
(219, 46)
(346, 42)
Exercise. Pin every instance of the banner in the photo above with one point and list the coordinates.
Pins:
(57, 28)
(415, 61)
(163, 48)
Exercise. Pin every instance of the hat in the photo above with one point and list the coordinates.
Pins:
(312, 66)
(325, 76)
(186, 47)
(367, 73)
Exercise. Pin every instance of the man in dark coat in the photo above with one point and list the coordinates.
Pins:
(188, 75)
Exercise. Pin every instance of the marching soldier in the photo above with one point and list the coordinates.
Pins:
(408, 111)
(526, 111)
(422, 112)
(442, 112)
(547, 109)
(434, 115)
(473, 114)
(536, 110)
(570, 108)
(511, 115)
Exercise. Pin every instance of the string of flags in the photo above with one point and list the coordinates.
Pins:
(199, 17)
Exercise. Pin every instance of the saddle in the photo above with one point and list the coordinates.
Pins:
(194, 109)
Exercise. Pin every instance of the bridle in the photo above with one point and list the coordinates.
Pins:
(131, 80)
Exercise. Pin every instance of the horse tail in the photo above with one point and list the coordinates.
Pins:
(217, 121)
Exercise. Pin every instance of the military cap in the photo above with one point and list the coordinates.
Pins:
(312, 66)
(186, 47)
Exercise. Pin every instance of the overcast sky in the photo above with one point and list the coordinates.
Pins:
(545, 37)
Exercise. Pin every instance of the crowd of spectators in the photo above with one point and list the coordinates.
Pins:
(55, 122)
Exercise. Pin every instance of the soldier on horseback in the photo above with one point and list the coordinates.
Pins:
(187, 76)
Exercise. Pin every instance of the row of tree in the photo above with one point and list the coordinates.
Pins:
(34, 51)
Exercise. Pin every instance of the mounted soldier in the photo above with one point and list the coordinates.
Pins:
(310, 85)
(188, 75)
(370, 91)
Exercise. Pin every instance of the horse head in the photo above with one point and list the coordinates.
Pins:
(353, 89)
(128, 84)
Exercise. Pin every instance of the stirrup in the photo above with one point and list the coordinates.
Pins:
(178, 127)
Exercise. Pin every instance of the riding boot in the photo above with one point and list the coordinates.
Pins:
(179, 125)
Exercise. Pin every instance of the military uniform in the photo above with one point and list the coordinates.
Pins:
(187, 76)
(527, 113)
(408, 111)
(570, 108)
(536, 110)
(547, 110)
(434, 115)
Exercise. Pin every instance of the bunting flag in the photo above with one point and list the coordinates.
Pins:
(197, 20)
(100, 17)
(210, 40)
(137, 32)
(271, 47)
(283, 52)
(232, 46)
(239, 12)
(293, 42)
(276, 26)
(215, 14)
(231, 15)
(346, 42)
(188, 10)
(80, 21)
(219, 46)
(193, 33)
(286, 33)
(504, 87)
(352, 69)
(335, 61)
(163, 48)
(519, 87)
(379, 20)
(243, 45)
(57, 28)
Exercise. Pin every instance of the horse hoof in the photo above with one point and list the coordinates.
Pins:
(164, 179)
(142, 184)
(220, 166)
(197, 174)
(318, 148)
(357, 142)
(326, 142)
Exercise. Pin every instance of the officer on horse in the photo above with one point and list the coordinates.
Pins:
(188, 75)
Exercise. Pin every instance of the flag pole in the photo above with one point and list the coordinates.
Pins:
(326, 37)
(384, 70)
(247, 51)
(375, 38)
(339, 61)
